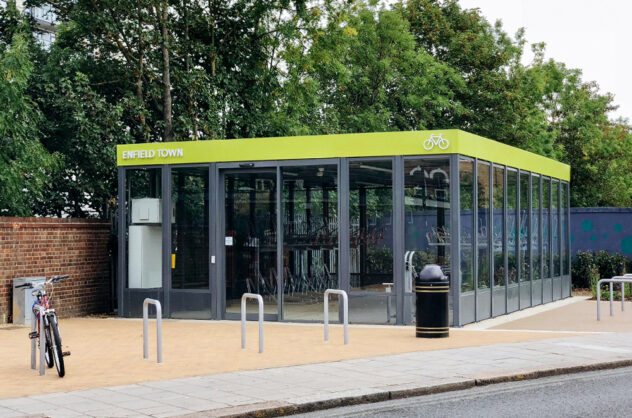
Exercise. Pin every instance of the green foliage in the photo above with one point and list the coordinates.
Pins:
(584, 271)
(362, 73)
(609, 265)
(24, 163)
(148, 70)
(588, 267)
(86, 131)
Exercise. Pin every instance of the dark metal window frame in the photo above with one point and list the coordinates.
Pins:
(218, 170)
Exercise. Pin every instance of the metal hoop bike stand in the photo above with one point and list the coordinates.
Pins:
(345, 312)
(243, 319)
(146, 304)
(42, 342)
(626, 278)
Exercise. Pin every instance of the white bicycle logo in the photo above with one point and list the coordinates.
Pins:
(436, 140)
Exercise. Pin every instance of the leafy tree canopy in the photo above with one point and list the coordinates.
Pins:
(24, 162)
(126, 71)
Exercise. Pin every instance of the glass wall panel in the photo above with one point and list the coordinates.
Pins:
(144, 232)
(555, 232)
(536, 255)
(190, 228)
(564, 216)
(513, 292)
(524, 227)
(498, 240)
(250, 241)
(371, 242)
(547, 286)
(546, 227)
(310, 240)
(525, 286)
(483, 241)
(427, 217)
(565, 236)
(555, 208)
(466, 223)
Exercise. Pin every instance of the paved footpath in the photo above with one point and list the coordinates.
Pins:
(303, 388)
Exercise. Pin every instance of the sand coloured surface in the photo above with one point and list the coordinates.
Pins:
(108, 352)
(580, 317)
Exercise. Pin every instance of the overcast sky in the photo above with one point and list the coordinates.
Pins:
(594, 36)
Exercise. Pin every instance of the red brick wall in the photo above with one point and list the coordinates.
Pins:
(52, 246)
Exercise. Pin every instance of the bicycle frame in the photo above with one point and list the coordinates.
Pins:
(47, 327)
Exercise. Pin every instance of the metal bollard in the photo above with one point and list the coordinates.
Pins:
(33, 344)
(146, 303)
(243, 319)
(345, 312)
(42, 343)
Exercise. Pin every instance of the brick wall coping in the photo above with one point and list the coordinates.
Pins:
(17, 222)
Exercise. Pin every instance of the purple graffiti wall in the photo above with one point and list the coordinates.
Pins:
(594, 229)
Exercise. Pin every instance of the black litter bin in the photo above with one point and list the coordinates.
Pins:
(432, 289)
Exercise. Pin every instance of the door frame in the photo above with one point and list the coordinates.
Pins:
(167, 237)
(220, 300)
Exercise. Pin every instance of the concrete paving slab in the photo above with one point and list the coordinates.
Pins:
(108, 352)
(350, 381)
(578, 316)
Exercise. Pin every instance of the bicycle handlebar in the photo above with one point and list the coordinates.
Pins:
(51, 280)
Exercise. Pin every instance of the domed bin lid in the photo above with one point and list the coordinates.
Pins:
(432, 273)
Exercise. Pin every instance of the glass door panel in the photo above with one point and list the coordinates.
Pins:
(371, 243)
(427, 220)
(484, 274)
(250, 239)
(310, 240)
(190, 295)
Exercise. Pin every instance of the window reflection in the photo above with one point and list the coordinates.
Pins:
(546, 227)
(524, 227)
(499, 226)
(512, 227)
(535, 226)
(565, 236)
(427, 204)
(371, 241)
(466, 189)
(189, 228)
(310, 239)
(484, 273)
(555, 206)
(250, 240)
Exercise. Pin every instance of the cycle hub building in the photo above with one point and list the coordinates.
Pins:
(202, 222)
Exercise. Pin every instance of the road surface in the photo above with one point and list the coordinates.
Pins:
(605, 393)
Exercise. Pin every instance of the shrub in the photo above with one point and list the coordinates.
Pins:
(609, 265)
(588, 265)
(584, 270)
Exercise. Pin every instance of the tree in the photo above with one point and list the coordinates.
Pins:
(186, 69)
(497, 95)
(362, 72)
(543, 107)
(24, 163)
(84, 129)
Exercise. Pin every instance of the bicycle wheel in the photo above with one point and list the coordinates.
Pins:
(48, 348)
(57, 353)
